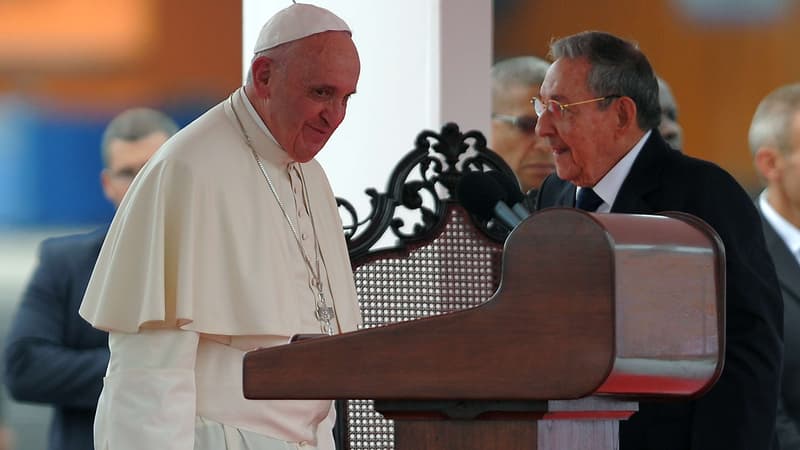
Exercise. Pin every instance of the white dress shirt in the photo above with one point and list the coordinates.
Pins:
(788, 232)
(608, 187)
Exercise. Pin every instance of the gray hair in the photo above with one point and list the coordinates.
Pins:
(134, 124)
(521, 70)
(772, 121)
(280, 55)
(618, 67)
(666, 97)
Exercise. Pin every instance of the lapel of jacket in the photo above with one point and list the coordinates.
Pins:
(643, 178)
(566, 195)
(786, 266)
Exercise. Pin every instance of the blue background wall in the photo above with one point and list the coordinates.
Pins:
(50, 164)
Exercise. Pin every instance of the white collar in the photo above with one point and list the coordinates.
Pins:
(256, 118)
(788, 232)
(608, 186)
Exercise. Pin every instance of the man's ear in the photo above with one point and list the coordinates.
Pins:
(105, 182)
(261, 70)
(625, 109)
(767, 163)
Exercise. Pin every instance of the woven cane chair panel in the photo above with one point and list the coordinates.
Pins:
(457, 269)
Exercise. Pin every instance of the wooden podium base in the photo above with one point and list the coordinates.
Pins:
(586, 424)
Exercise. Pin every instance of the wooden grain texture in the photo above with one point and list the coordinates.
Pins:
(561, 340)
(584, 424)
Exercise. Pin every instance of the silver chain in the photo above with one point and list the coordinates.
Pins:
(323, 313)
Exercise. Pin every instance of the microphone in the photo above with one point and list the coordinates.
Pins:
(514, 195)
(483, 196)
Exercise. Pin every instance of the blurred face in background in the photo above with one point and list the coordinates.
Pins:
(669, 128)
(514, 136)
(781, 170)
(125, 159)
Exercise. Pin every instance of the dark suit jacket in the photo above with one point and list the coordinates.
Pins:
(738, 413)
(52, 355)
(789, 278)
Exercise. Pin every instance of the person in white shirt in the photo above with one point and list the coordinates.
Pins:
(775, 145)
(228, 240)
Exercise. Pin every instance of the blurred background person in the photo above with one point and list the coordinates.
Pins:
(670, 129)
(52, 355)
(775, 146)
(515, 81)
(6, 433)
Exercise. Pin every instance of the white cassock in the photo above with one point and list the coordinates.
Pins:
(200, 266)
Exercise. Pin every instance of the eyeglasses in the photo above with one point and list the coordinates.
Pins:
(525, 124)
(124, 174)
(558, 109)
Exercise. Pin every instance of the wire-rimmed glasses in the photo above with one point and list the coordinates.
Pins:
(557, 108)
(524, 123)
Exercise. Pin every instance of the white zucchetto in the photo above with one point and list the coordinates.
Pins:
(296, 22)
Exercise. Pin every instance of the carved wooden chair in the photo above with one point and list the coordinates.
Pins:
(449, 260)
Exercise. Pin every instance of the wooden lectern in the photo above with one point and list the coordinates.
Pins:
(593, 311)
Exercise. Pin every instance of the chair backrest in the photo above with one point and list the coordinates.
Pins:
(449, 261)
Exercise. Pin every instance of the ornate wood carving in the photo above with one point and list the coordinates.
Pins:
(423, 182)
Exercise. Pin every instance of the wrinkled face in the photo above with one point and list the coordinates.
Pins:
(787, 170)
(125, 159)
(583, 136)
(669, 128)
(303, 97)
(528, 154)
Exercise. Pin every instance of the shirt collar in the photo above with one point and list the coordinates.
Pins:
(256, 118)
(278, 154)
(788, 232)
(608, 187)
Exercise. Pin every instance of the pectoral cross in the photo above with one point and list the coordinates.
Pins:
(324, 313)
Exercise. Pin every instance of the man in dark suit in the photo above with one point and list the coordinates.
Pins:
(775, 145)
(598, 107)
(52, 355)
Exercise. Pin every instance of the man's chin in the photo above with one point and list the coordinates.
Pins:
(311, 145)
(562, 172)
(306, 154)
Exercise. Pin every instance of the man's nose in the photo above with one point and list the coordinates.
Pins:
(334, 113)
(544, 126)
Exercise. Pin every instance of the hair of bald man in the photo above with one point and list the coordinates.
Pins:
(134, 124)
(518, 71)
(772, 121)
(663, 88)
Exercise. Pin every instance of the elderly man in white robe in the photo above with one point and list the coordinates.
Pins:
(228, 240)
